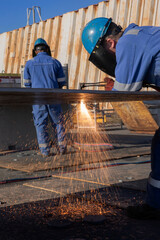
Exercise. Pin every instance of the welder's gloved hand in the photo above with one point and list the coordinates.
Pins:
(109, 83)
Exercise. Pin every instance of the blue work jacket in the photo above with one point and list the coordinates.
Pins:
(44, 71)
(138, 58)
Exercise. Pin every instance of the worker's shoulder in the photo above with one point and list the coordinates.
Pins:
(134, 30)
(29, 62)
(130, 26)
(56, 61)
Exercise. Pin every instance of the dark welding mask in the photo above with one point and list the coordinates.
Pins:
(103, 59)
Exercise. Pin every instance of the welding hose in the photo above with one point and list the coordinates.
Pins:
(22, 179)
(106, 166)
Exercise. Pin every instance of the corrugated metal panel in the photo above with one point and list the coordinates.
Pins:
(63, 34)
(3, 41)
(18, 51)
(54, 40)
(12, 52)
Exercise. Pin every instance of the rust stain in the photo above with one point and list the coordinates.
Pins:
(48, 31)
(73, 50)
(33, 37)
(16, 68)
(139, 9)
(9, 36)
(55, 36)
(72, 33)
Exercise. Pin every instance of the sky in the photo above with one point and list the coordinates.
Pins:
(13, 13)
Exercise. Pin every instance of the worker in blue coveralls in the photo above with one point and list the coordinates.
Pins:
(43, 71)
(131, 56)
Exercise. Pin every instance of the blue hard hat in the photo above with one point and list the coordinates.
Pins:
(94, 29)
(40, 41)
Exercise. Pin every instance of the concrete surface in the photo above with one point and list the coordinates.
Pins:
(30, 177)
(31, 202)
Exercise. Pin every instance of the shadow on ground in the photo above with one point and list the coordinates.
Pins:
(63, 218)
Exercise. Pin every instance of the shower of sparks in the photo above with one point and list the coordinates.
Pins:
(92, 150)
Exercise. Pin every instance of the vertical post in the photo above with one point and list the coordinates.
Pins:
(39, 12)
(28, 15)
(22, 74)
(65, 70)
(33, 12)
(29, 10)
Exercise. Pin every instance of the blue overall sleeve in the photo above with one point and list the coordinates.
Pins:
(27, 76)
(60, 74)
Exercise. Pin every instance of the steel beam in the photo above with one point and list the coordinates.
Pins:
(24, 96)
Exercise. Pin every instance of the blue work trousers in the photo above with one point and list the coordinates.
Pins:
(153, 185)
(42, 114)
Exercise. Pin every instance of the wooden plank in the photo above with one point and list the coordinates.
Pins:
(24, 96)
(136, 116)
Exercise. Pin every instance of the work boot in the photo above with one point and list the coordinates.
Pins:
(143, 211)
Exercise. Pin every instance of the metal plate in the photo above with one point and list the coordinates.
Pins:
(33, 163)
(23, 96)
(136, 116)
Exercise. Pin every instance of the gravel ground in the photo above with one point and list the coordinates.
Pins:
(66, 219)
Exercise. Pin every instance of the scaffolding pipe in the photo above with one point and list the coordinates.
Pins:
(29, 10)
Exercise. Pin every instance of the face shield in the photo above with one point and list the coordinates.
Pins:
(103, 59)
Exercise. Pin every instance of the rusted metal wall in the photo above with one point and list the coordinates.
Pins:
(63, 34)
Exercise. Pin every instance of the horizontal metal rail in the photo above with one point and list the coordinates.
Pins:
(27, 96)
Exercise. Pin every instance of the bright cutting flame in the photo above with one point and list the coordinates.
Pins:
(86, 117)
(84, 109)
